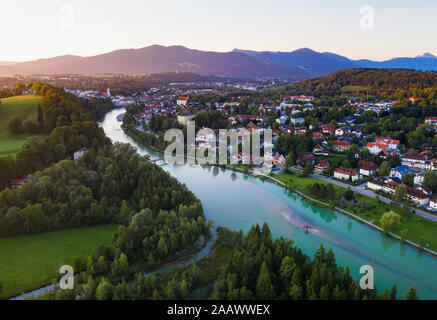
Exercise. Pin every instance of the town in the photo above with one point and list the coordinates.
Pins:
(335, 140)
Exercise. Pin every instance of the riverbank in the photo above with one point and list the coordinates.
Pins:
(238, 201)
(353, 216)
(325, 205)
(419, 229)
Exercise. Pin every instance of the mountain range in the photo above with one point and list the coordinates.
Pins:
(298, 64)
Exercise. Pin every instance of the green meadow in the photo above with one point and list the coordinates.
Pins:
(23, 107)
(31, 261)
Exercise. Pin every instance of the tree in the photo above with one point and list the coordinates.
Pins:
(384, 169)
(399, 195)
(390, 220)
(264, 287)
(15, 126)
(330, 192)
(393, 292)
(18, 89)
(430, 180)
(308, 169)
(412, 294)
(40, 114)
(290, 160)
(365, 154)
(105, 290)
(408, 180)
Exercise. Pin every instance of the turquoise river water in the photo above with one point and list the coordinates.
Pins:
(238, 201)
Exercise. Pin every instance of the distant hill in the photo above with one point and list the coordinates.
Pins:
(424, 63)
(158, 59)
(7, 63)
(299, 64)
(385, 83)
(310, 62)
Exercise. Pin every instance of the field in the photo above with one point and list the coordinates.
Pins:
(23, 107)
(32, 261)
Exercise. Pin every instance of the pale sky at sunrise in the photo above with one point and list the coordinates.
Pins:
(32, 29)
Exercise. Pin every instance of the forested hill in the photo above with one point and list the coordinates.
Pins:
(389, 83)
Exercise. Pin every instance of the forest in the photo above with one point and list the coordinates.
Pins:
(243, 267)
(107, 186)
(382, 83)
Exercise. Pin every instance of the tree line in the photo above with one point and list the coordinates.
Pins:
(252, 267)
(104, 186)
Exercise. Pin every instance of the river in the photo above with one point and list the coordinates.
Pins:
(238, 201)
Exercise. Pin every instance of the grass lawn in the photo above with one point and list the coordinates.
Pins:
(370, 209)
(23, 107)
(32, 261)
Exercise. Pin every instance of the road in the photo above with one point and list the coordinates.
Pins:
(362, 190)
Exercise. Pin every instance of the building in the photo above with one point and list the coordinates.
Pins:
(367, 168)
(418, 178)
(301, 98)
(417, 196)
(322, 165)
(278, 158)
(275, 158)
(425, 189)
(376, 148)
(400, 172)
(304, 159)
(390, 187)
(16, 183)
(297, 121)
(343, 173)
(317, 135)
(433, 202)
(328, 129)
(183, 119)
(341, 132)
(416, 161)
(390, 143)
(413, 99)
(375, 185)
(282, 120)
(434, 164)
(341, 146)
(79, 153)
(431, 121)
(182, 101)
(206, 135)
(413, 194)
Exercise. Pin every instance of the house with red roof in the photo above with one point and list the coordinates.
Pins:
(182, 101)
(343, 173)
(317, 135)
(376, 148)
(341, 146)
(322, 165)
(16, 183)
(328, 128)
(367, 168)
(391, 144)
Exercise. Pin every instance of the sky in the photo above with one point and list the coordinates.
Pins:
(377, 30)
